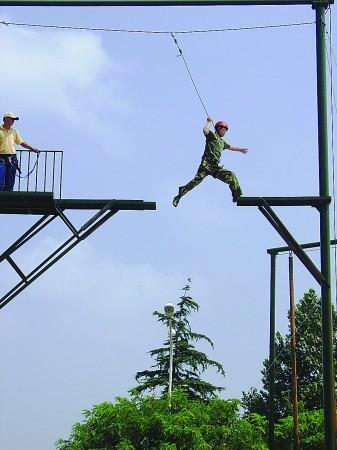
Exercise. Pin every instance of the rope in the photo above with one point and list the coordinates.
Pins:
(172, 33)
(112, 30)
(31, 171)
(189, 73)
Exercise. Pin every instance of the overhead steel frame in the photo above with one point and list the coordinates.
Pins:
(323, 3)
(325, 273)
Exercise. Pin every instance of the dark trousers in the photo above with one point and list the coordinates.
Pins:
(8, 167)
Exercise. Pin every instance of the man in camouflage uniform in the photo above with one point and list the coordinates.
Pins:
(210, 161)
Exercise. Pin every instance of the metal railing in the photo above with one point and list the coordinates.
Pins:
(40, 172)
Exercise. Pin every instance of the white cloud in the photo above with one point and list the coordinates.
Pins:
(79, 334)
(67, 73)
(98, 284)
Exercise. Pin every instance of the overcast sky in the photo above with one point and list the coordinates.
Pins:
(122, 108)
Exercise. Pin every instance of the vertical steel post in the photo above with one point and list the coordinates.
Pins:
(272, 353)
(327, 333)
(293, 353)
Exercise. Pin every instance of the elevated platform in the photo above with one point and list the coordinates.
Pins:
(283, 201)
(27, 203)
(42, 203)
(50, 209)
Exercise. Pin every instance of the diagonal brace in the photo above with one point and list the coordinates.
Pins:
(292, 243)
(17, 269)
(67, 221)
(98, 215)
(25, 237)
(86, 230)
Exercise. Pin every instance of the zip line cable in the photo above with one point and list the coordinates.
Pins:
(113, 30)
(189, 73)
(172, 33)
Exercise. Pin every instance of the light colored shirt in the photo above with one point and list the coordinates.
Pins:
(8, 140)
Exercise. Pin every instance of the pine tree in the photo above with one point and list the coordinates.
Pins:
(309, 364)
(188, 362)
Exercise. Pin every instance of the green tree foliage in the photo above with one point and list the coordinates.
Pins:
(188, 362)
(145, 423)
(311, 430)
(309, 364)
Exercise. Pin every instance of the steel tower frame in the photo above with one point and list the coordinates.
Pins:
(322, 202)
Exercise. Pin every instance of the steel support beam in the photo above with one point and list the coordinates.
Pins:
(327, 329)
(277, 250)
(273, 219)
(160, 2)
(109, 208)
(121, 205)
(316, 202)
(31, 232)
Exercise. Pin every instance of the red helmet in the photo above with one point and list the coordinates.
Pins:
(220, 124)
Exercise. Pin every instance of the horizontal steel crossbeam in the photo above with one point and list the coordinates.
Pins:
(284, 201)
(40, 203)
(161, 2)
(277, 250)
(76, 203)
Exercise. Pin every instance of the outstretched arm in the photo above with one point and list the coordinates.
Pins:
(29, 147)
(207, 126)
(234, 148)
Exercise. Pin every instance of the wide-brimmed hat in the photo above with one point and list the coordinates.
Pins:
(11, 115)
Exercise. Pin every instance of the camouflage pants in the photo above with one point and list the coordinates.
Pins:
(215, 171)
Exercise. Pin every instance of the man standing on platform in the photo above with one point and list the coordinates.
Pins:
(9, 137)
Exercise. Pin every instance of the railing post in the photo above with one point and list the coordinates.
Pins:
(41, 176)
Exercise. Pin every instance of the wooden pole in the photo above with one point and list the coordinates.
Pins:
(293, 353)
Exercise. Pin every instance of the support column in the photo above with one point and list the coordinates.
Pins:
(327, 330)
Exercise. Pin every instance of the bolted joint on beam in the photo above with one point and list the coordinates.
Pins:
(321, 3)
